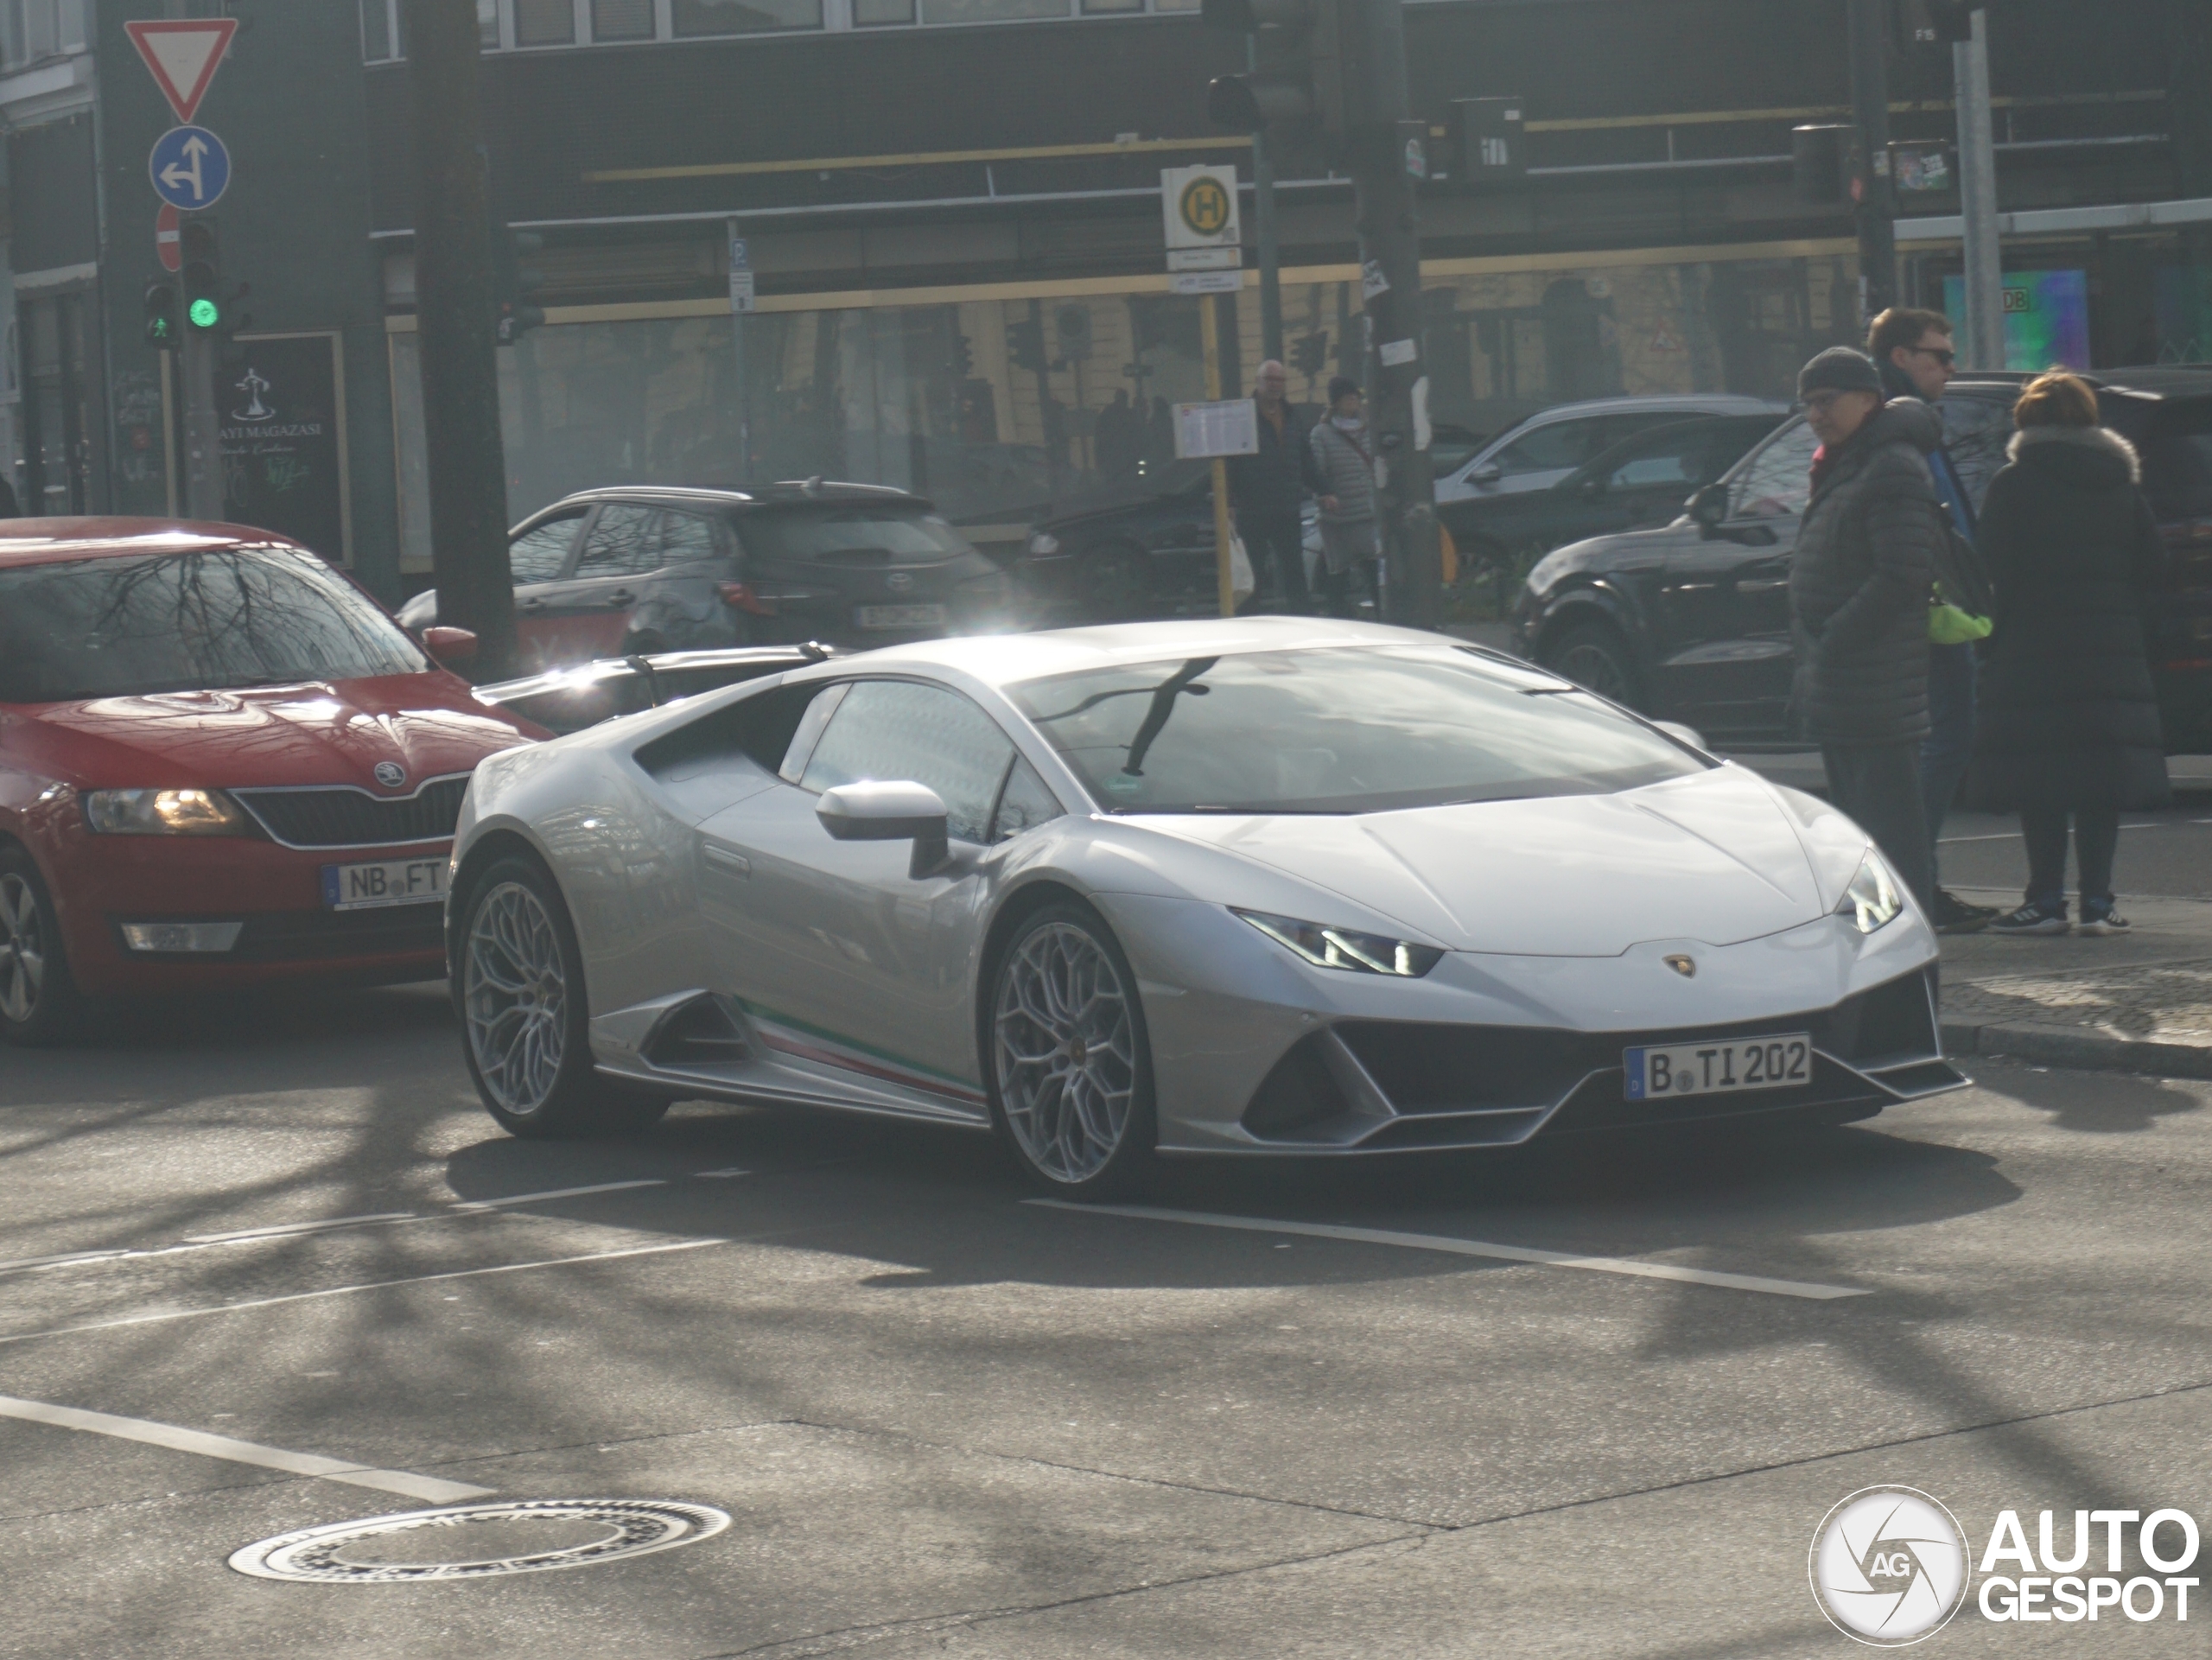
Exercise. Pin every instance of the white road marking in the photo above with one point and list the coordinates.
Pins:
(277, 1230)
(348, 1290)
(557, 1192)
(429, 1489)
(1467, 1248)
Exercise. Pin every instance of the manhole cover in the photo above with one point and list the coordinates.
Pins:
(473, 1541)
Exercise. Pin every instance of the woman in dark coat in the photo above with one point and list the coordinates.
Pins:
(2069, 721)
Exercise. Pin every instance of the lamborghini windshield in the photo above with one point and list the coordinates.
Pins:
(1341, 730)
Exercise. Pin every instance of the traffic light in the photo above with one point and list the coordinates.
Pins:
(1309, 353)
(202, 274)
(514, 283)
(1024, 343)
(1299, 65)
(162, 330)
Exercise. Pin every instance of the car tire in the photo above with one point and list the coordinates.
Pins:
(40, 1005)
(1114, 582)
(518, 988)
(1067, 1064)
(1594, 656)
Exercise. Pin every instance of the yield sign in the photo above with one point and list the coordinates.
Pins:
(183, 56)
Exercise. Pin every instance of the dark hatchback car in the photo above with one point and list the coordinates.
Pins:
(1690, 621)
(638, 569)
(1641, 480)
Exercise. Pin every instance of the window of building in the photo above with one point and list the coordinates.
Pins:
(874, 14)
(488, 24)
(32, 30)
(545, 22)
(621, 19)
(991, 11)
(692, 17)
(375, 30)
(1099, 8)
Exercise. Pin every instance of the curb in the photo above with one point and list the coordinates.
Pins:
(2088, 1051)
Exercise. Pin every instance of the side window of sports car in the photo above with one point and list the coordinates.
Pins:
(809, 731)
(890, 729)
(1024, 804)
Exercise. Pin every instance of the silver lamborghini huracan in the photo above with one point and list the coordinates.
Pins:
(1274, 886)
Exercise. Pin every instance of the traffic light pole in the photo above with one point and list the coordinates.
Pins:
(456, 319)
(1872, 191)
(203, 437)
(1984, 336)
(1386, 151)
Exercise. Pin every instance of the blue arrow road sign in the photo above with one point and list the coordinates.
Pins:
(191, 168)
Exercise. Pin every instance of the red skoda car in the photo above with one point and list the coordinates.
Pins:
(220, 766)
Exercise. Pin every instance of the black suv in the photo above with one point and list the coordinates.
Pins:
(1690, 621)
(641, 569)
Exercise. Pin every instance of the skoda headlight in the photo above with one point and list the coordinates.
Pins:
(163, 812)
(1872, 898)
(1344, 948)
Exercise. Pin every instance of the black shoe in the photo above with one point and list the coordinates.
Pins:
(1953, 915)
(2033, 919)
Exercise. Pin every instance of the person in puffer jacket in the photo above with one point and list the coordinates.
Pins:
(1858, 583)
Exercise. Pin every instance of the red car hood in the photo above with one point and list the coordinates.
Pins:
(318, 732)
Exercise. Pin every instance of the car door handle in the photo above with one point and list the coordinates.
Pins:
(532, 605)
(621, 596)
(735, 863)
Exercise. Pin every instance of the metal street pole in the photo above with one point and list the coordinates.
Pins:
(1263, 216)
(203, 435)
(1209, 349)
(1870, 184)
(455, 309)
(1984, 337)
(1390, 152)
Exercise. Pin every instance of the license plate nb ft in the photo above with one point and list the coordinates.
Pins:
(389, 881)
(1719, 1068)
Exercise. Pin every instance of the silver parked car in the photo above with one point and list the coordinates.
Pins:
(1537, 453)
(1263, 886)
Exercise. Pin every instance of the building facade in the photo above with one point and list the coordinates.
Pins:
(952, 209)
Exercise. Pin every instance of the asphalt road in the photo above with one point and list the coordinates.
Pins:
(945, 1422)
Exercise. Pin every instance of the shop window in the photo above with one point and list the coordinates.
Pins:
(1175, 5)
(545, 22)
(621, 19)
(744, 16)
(874, 14)
(1099, 8)
(488, 24)
(991, 11)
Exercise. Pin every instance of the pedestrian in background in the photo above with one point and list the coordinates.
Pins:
(1268, 490)
(1858, 583)
(2069, 719)
(1913, 351)
(1343, 460)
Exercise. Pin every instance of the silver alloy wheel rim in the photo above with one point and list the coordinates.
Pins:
(516, 996)
(22, 949)
(1065, 1048)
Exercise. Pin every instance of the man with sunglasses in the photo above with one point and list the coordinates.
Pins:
(1913, 350)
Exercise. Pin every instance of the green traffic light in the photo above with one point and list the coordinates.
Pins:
(204, 314)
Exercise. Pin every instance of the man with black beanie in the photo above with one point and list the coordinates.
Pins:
(1858, 585)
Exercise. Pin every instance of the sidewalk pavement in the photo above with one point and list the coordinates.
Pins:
(2140, 1002)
